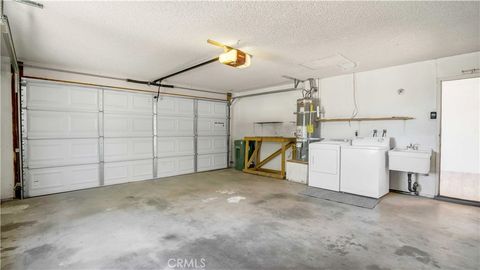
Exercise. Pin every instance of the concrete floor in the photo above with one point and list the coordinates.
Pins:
(230, 220)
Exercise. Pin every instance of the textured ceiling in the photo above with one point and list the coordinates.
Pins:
(145, 40)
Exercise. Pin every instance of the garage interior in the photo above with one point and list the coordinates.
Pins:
(240, 135)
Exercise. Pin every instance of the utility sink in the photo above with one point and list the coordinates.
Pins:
(410, 160)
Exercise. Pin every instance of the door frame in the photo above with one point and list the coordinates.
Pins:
(439, 133)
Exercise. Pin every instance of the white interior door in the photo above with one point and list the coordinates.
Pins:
(460, 139)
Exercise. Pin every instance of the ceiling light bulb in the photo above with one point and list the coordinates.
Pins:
(228, 57)
(235, 58)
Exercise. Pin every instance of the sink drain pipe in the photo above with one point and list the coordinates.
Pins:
(414, 188)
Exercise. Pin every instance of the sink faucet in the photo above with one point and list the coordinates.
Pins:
(412, 146)
(374, 133)
(384, 133)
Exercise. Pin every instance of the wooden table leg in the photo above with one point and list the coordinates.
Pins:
(283, 160)
(259, 146)
(247, 149)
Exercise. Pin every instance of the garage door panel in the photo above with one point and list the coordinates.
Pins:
(175, 106)
(142, 147)
(81, 123)
(211, 109)
(213, 144)
(167, 167)
(115, 173)
(127, 125)
(48, 153)
(166, 105)
(142, 103)
(44, 96)
(123, 102)
(166, 146)
(211, 162)
(84, 99)
(172, 146)
(171, 166)
(121, 149)
(115, 101)
(142, 125)
(185, 146)
(46, 178)
(81, 175)
(175, 126)
(185, 106)
(211, 126)
(59, 179)
(45, 124)
(186, 164)
(115, 149)
(128, 171)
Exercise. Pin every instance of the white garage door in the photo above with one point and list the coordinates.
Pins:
(77, 137)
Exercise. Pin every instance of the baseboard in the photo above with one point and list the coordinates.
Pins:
(458, 201)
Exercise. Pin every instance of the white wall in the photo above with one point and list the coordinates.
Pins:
(6, 137)
(377, 95)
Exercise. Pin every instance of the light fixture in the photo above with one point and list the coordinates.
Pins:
(235, 58)
(231, 56)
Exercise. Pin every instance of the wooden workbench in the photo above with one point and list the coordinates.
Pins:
(285, 144)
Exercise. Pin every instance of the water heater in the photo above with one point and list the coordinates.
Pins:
(308, 126)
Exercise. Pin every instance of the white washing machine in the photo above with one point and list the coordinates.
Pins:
(324, 164)
(364, 169)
